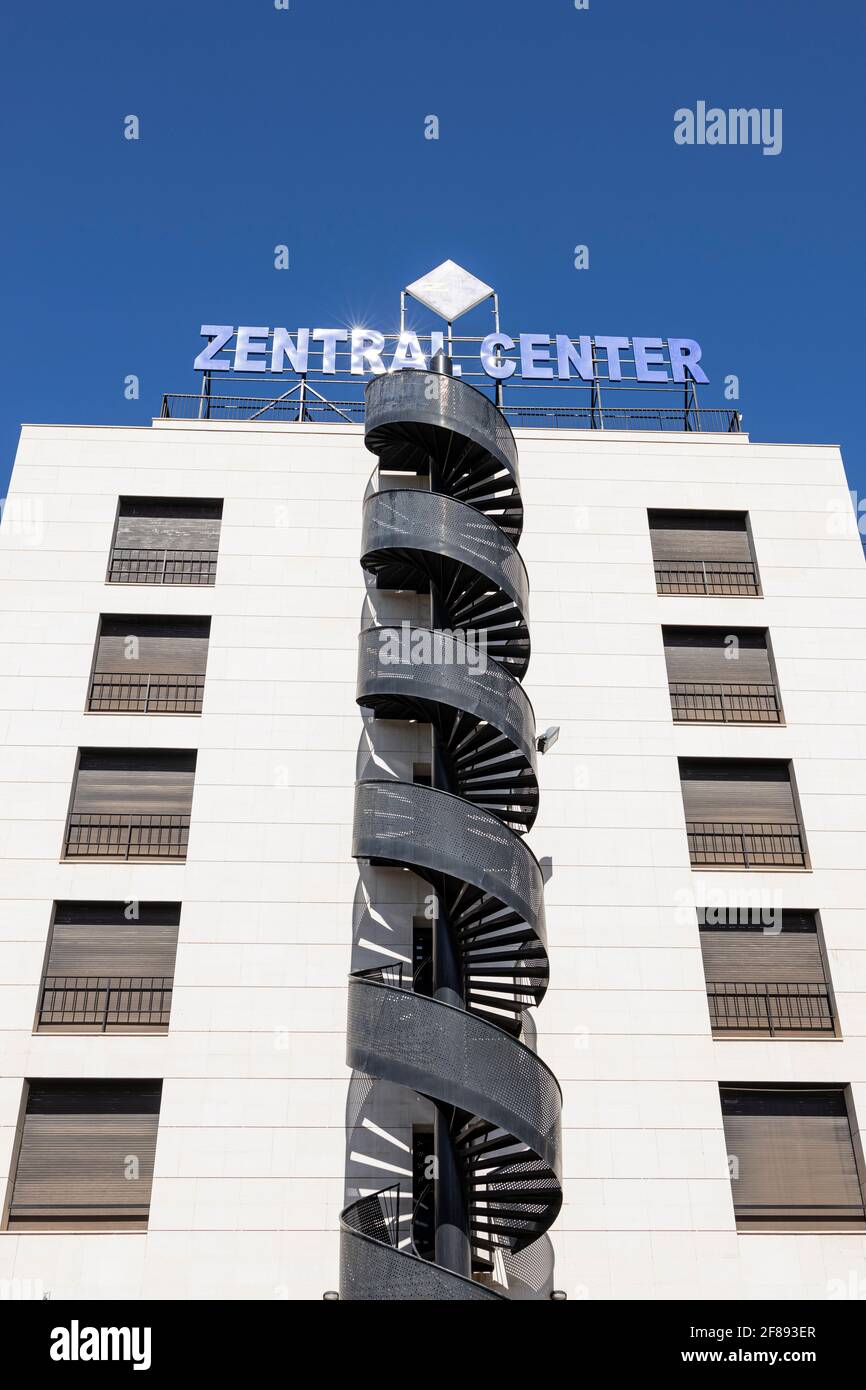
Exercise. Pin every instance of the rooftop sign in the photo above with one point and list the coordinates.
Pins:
(528, 357)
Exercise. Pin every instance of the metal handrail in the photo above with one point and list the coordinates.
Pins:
(362, 1224)
(158, 565)
(725, 702)
(732, 578)
(291, 409)
(760, 1014)
(746, 844)
(137, 692)
(126, 835)
(98, 996)
(369, 1214)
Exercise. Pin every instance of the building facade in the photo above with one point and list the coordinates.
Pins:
(181, 909)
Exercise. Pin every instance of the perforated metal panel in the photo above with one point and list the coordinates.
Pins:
(420, 1042)
(405, 519)
(406, 823)
(390, 666)
(370, 1269)
(444, 402)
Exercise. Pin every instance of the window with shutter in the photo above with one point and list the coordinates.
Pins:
(165, 540)
(131, 804)
(791, 1158)
(86, 1155)
(719, 675)
(703, 553)
(149, 665)
(767, 979)
(109, 967)
(741, 813)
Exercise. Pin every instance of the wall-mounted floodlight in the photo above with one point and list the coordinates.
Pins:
(546, 740)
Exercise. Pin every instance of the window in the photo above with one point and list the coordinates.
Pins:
(741, 813)
(131, 803)
(165, 540)
(791, 1158)
(107, 970)
(765, 977)
(703, 553)
(717, 675)
(423, 1230)
(422, 955)
(149, 665)
(86, 1155)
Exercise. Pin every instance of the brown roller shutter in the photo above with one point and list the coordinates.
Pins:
(737, 791)
(81, 1141)
(701, 655)
(141, 780)
(735, 955)
(687, 535)
(97, 939)
(792, 1159)
(164, 645)
(171, 523)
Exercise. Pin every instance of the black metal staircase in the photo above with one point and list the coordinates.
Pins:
(463, 1044)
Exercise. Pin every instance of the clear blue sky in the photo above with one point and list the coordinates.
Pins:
(305, 127)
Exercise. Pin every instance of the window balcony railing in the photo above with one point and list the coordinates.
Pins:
(143, 693)
(126, 835)
(723, 844)
(715, 703)
(128, 566)
(106, 1001)
(770, 1008)
(737, 578)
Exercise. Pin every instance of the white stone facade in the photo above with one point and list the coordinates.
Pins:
(250, 1159)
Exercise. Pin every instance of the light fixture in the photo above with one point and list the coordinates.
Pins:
(558, 1296)
(330, 1296)
(547, 739)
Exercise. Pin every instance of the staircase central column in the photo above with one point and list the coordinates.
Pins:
(453, 1244)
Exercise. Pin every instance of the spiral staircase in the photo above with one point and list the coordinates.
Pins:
(465, 1042)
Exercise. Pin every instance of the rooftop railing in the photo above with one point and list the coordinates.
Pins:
(699, 419)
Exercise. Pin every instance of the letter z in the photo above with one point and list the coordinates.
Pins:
(207, 360)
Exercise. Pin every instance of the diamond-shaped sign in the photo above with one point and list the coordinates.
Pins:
(449, 290)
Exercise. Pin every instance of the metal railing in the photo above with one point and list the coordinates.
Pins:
(141, 566)
(385, 974)
(377, 1215)
(735, 578)
(770, 1008)
(106, 1001)
(126, 835)
(715, 702)
(130, 692)
(290, 409)
(746, 845)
